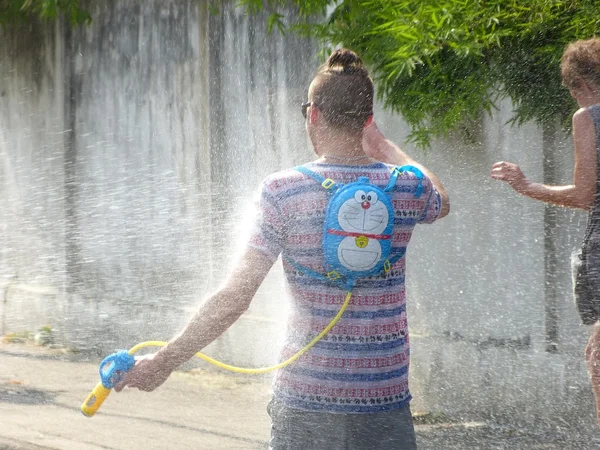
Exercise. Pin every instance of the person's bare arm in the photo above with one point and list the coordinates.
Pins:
(213, 317)
(581, 193)
(384, 150)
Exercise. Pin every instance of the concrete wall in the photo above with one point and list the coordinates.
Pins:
(164, 118)
(120, 141)
(32, 177)
(482, 308)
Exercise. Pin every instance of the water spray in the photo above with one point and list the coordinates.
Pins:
(339, 237)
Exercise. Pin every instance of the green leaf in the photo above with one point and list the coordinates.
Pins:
(275, 19)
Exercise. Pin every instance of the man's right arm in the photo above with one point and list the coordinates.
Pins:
(382, 149)
(212, 319)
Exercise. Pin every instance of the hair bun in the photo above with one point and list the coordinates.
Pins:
(345, 61)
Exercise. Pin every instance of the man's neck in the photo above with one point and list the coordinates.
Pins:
(340, 146)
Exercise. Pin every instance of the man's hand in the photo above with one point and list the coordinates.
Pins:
(377, 147)
(147, 374)
(512, 174)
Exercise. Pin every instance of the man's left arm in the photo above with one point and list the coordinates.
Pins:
(377, 146)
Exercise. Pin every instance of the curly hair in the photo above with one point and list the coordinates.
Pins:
(581, 62)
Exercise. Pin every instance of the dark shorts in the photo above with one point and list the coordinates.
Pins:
(294, 429)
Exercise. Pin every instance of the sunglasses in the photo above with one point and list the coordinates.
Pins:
(305, 106)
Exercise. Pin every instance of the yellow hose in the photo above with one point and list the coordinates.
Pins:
(302, 351)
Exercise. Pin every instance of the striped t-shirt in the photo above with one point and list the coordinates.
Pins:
(361, 365)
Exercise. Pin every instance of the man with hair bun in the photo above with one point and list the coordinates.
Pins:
(350, 390)
(580, 71)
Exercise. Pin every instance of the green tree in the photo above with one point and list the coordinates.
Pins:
(440, 63)
(15, 11)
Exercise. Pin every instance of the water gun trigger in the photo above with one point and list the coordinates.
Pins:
(114, 366)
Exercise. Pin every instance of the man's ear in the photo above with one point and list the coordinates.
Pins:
(369, 121)
(314, 114)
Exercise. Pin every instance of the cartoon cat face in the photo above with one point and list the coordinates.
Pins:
(363, 214)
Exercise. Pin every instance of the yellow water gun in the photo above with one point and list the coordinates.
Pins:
(114, 366)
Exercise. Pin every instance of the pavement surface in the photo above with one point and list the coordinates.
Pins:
(41, 391)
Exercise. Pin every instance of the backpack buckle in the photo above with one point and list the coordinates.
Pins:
(328, 183)
(333, 275)
(387, 266)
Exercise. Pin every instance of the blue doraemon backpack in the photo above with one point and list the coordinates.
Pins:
(358, 228)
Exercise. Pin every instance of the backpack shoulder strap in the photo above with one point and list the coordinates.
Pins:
(327, 183)
(394, 259)
(406, 168)
(330, 277)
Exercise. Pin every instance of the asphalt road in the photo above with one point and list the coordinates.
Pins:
(41, 391)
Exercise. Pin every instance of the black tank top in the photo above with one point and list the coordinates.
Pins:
(593, 226)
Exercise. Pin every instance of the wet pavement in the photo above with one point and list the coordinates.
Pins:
(41, 391)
